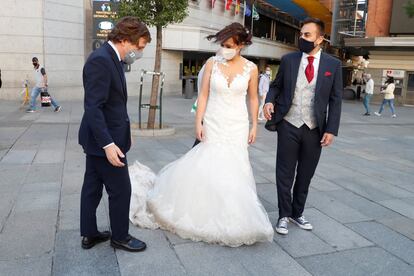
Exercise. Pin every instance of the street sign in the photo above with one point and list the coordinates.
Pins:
(104, 15)
(397, 74)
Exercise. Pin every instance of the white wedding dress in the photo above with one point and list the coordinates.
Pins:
(209, 194)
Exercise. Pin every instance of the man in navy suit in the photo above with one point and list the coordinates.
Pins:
(105, 134)
(304, 106)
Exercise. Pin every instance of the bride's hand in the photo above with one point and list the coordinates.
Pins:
(199, 132)
(252, 135)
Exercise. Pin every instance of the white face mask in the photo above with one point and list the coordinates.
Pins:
(267, 72)
(228, 53)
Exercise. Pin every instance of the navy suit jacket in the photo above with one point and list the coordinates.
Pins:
(328, 91)
(105, 119)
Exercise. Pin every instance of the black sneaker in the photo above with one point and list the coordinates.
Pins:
(282, 226)
(302, 223)
(58, 108)
(30, 110)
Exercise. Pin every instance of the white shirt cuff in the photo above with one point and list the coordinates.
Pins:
(108, 145)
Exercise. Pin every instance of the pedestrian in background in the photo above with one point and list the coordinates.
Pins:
(388, 97)
(263, 89)
(369, 91)
(41, 86)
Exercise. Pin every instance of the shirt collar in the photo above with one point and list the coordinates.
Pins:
(115, 49)
(316, 56)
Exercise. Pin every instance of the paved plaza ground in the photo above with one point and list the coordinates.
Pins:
(361, 201)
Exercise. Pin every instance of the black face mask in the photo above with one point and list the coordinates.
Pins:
(34, 64)
(306, 46)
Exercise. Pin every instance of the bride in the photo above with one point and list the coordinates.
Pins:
(209, 194)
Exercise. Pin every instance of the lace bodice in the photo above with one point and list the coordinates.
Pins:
(221, 84)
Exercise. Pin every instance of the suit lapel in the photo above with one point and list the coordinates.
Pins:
(321, 70)
(294, 69)
(118, 68)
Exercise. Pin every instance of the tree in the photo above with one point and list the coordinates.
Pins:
(158, 13)
(409, 9)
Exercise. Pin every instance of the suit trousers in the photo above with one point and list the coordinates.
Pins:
(298, 152)
(99, 172)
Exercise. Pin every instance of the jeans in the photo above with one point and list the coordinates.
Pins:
(33, 96)
(391, 104)
(367, 100)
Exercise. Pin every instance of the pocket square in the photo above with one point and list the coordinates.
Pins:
(327, 74)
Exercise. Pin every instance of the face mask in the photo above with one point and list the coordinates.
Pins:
(268, 73)
(306, 46)
(34, 64)
(131, 56)
(228, 53)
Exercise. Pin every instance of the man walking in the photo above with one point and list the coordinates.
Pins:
(263, 89)
(41, 86)
(307, 83)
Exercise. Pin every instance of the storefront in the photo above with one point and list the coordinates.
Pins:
(390, 56)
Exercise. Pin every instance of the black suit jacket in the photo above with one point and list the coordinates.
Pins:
(105, 119)
(328, 91)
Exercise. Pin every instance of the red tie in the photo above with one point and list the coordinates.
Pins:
(309, 69)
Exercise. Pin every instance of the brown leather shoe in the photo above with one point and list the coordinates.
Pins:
(131, 244)
(89, 242)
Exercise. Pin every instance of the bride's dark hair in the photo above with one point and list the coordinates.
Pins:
(240, 34)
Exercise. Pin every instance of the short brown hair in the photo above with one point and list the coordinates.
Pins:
(318, 22)
(131, 29)
(240, 34)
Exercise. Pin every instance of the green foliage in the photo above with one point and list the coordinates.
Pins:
(409, 9)
(155, 12)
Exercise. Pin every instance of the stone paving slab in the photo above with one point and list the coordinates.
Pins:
(334, 233)
(49, 156)
(300, 243)
(399, 206)
(28, 235)
(389, 240)
(71, 259)
(158, 259)
(365, 206)
(259, 259)
(357, 262)
(334, 208)
(400, 224)
(27, 266)
(18, 157)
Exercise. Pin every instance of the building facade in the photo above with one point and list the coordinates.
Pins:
(53, 31)
(60, 34)
(389, 39)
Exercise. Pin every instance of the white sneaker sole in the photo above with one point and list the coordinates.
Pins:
(281, 231)
(308, 227)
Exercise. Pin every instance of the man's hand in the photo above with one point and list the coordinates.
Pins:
(112, 154)
(327, 139)
(268, 109)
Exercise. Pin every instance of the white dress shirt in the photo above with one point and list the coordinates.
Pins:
(119, 58)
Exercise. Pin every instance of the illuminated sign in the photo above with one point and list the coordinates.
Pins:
(104, 15)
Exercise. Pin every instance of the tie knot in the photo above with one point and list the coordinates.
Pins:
(310, 59)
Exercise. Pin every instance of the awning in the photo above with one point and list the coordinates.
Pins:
(289, 7)
(315, 9)
(301, 9)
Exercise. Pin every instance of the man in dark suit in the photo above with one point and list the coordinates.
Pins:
(304, 106)
(105, 134)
